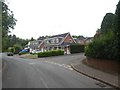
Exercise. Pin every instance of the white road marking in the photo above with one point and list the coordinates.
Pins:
(71, 68)
(61, 65)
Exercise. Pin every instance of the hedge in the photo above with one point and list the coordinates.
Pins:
(102, 48)
(76, 48)
(51, 53)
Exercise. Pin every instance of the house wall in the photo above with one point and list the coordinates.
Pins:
(67, 48)
(42, 46)
(67, 39)
(82, 42)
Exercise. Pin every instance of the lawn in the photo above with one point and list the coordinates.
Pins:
(29, 56)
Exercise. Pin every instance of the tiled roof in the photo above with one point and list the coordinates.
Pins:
(41, 38)
(87, 38)
(60, 35)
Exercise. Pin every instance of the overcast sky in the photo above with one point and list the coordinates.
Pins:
(50, 17)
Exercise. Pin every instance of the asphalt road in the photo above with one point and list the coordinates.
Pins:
(33, 73)
(66, 59)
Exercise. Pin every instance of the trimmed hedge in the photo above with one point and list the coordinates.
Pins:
(51, 53)
(76, 48)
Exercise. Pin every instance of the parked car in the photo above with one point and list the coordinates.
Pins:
(9, 53)
(38, 51)
(35, 51)
(23, 51)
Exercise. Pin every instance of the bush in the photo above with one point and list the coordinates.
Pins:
(77, 48)
(51, 53)
(102, 47)
(11, 49)
(17, 48)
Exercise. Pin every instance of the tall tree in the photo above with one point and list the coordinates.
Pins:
(117, 30)
(107, 23)
(8, 21)
(32, 39)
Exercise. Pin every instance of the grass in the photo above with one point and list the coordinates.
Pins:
(30, 56)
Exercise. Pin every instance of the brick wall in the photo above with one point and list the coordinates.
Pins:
(105, 65)
(68, 38)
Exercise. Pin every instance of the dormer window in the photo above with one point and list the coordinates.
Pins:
(57, 40)
(53, 41)
(47, 41)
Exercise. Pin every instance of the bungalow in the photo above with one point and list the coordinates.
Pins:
(61, 41)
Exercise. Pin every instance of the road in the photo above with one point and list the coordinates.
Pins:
(33, 73)
(66, 59)
(0, 70)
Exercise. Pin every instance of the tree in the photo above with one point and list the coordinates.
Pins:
(117, 29)
(32, 39)
(106, 44)
(17, 48)
(13, 40)
(107, 23)
(11, 49)
(8, 21)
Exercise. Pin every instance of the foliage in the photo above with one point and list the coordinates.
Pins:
(107, 23)
(51, 53)
(102, 48)
(32, 39)
(77, 48)
(106, 44)
(17, 48)
(80, 36)
(117, 30)
(11, 49)
(8, 21)
(16, 40)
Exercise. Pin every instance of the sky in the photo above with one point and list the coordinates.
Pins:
(51, 17)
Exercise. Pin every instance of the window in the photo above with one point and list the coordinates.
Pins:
(47, 41)
(57, 40)
(53, 41)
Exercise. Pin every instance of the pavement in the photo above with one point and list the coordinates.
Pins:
(91, 72)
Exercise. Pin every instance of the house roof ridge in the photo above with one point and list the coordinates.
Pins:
(60, 35)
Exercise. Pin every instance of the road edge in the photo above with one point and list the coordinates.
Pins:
(72, 66)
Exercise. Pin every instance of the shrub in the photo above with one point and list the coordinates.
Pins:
(102, 47)
(51, 53)
(17, 48)
(76, 48)
(11, 49)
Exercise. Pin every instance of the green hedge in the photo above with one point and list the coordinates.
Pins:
(51, 53)
(102, 48)
(76, 48)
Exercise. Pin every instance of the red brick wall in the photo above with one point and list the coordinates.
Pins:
(105, 65)
(67, 39)
(42, 45)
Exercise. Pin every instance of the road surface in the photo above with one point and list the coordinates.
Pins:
(33, 73)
